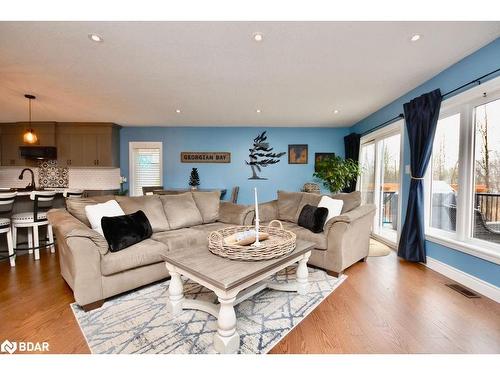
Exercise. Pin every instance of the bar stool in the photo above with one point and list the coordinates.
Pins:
(72, 193)
(6, 204)
(34, 220)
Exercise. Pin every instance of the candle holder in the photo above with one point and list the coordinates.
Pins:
(257, 220)
(257, 242)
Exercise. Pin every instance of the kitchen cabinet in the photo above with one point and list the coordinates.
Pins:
(88, 144)
(78, 144)
(12, 139)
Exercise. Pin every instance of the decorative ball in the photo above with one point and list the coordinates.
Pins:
(311, 187)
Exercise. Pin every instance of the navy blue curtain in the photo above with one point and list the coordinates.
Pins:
(351, 144)
(421, 116)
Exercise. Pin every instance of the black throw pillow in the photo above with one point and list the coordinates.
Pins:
(313, 218)
(126, 230)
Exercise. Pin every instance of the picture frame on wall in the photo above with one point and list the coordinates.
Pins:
(298, 154)
(319, 156)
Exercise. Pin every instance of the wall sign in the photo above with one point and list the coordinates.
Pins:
(205, 157)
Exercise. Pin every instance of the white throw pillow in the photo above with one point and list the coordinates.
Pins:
(95, 213)
(334, 206)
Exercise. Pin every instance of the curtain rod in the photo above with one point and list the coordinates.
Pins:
(401, 116)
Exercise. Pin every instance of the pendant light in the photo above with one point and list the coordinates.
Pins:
(29, 135)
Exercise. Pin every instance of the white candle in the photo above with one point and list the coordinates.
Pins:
(257, 243)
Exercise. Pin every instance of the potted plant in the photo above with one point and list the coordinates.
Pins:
(123, 181)
(336, 173)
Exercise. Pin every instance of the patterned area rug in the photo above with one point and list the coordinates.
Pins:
(138, 322)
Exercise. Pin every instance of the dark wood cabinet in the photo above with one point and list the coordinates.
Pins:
(88, 144)
(78, 144)
(12, 138)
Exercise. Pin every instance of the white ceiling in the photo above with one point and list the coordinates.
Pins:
(217, 74)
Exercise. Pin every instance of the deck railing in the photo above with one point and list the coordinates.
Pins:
(489, 205)
(390, 207)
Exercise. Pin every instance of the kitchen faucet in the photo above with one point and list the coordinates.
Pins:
(32, 185)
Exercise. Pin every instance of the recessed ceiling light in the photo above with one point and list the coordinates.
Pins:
(258, 111)
(335, 111)
(415, 37)
(258, 37)
(95, 38)
(177, 111)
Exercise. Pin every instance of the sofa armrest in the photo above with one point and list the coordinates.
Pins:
(69, 226)
(268, 211)
(80, 250)
(238, 214)
(351, 216)
(348, 238)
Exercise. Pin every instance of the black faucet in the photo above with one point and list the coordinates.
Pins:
(32, 185)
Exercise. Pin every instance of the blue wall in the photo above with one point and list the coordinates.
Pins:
(475, 65)
(237, 141)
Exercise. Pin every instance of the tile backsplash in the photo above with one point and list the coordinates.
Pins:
(77, 178)
(50, 175)
(94, 178)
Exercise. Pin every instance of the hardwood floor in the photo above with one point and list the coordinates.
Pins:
(385, 306)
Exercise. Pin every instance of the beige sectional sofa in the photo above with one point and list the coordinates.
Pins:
(345, 239)
(178, 221)
(94, 273)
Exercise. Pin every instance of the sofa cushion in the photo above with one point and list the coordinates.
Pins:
(238, 214)
(313, 218)
(288, 205)
(207, 228)
(126, 230)
(208, 203)
(95, 212)
(320, 239)
(140, 254)
(181, 238)
(334, 206)
(76, 206)
(181, 210)
(307, 199)
(351, 200)
(151, 205)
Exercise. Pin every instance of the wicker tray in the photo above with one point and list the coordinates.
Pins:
(280, 242)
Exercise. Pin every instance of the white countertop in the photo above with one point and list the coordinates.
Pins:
(26, 192)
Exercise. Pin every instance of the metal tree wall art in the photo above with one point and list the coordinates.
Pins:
(261, 155)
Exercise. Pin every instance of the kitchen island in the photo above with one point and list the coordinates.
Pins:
(23, 203)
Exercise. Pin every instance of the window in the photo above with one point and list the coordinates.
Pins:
(486, 194)
(444, 171)
(145, 160)
(463, 179)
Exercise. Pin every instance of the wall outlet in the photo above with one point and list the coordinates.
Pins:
(407, 168)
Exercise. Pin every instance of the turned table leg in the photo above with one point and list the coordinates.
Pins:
(175, 293)
(302, 275)
(226, 340)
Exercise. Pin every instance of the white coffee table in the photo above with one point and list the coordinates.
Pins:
(232, 281)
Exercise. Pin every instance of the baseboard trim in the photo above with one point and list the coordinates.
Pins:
(471, 282)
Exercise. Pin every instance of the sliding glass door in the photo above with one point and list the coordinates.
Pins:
(380, 158)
